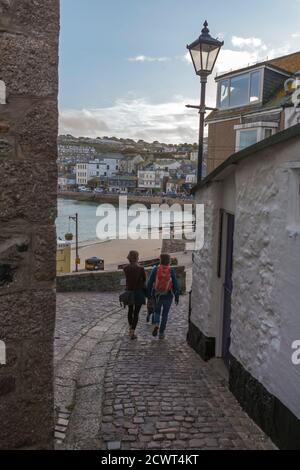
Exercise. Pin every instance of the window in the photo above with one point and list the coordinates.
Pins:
(268, 132)
(224, 94)
(240, 90)
(245, 138)
(255, 87)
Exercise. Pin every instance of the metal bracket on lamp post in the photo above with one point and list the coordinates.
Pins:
(206, 108)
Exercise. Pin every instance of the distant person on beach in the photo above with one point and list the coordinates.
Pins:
(135, 282)
(162, 287)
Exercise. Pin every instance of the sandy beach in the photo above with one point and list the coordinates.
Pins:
(114, 252)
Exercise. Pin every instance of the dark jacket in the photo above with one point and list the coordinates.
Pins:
(136, 281)
(151, 282)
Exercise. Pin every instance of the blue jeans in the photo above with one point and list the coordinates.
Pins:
(163, 303)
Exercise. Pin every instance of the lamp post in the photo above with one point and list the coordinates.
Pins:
(204, 53)
(77, 262)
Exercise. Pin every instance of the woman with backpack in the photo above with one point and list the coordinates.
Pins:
(135, 285)
(163, 287)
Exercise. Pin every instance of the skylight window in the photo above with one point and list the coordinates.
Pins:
(240, 90)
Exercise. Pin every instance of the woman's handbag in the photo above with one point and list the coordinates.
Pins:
(127, 298)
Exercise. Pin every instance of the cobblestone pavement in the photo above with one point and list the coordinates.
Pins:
(115, 393)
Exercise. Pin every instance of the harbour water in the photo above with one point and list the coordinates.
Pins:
(88, 220)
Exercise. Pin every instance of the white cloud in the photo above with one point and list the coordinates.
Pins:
(252, 42)
(135, 118)
(187, 58)
(168, 122)
(143, 58)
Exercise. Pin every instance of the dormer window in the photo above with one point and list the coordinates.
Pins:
(240, 90)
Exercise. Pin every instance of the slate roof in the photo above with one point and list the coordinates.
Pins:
(289, 64)
(235, 158)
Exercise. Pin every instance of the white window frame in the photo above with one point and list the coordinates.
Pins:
(258, 126)
(249, 103)
(238, 137)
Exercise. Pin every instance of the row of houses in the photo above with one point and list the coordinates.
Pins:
(245, 300)
(108, 171)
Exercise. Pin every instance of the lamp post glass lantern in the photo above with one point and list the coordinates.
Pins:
(204, 53)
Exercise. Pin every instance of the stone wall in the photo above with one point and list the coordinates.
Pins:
(205, 281)
(266, 295)
(173, 246)
(264, 196)
(28, 153)
(114, 198)
(104, 281)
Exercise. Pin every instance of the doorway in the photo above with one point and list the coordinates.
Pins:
(227, 289)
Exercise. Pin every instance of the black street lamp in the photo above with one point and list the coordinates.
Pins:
(204, 53)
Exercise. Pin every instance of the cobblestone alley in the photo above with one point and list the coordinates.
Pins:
(114, 393)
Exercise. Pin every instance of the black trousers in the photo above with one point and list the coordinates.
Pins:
(133, 315)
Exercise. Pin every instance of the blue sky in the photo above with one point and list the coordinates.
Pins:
(123, 69)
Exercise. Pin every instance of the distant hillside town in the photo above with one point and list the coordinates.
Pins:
(116, 165)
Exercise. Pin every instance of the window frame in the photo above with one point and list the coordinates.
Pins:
(229, 78)
(238, 137)
(260, 127)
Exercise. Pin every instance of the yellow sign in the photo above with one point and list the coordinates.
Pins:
(77, 261)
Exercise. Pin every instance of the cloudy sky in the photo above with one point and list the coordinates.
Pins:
(124, 70)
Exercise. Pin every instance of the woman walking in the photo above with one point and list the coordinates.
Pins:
(135, 283)
(163, 287)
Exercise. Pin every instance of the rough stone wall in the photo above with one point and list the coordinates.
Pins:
(173, 246)
(205, 282)
(266, 295)
(105, 281)
(28, 176)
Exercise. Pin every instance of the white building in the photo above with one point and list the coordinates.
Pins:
(149, 179)
(82, 173)
(191, 179)
(105, 167)
(246, 296)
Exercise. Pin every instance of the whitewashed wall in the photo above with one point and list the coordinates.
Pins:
(205, 282)
(266, 278)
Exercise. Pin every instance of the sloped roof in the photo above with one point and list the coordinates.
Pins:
(289, 64)
(235, 158)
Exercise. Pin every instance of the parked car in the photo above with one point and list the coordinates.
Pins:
(94, 264)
